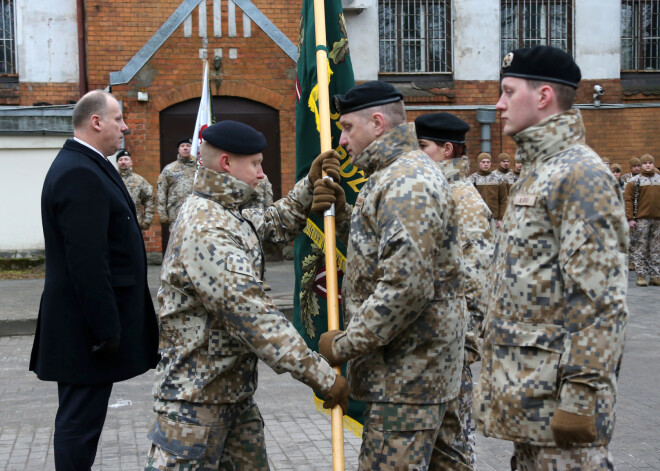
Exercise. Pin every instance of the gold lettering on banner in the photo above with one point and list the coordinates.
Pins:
(318, 237)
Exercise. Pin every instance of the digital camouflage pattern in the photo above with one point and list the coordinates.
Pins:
(207, 437)
(174, 186)
(404, 304)
(216, 320)
(142, 194)
(557, 313)
(533, 458)
(454, 447)
(395, 435)
(645, 246)
(492, 190)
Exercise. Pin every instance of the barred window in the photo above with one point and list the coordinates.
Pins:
(7, 51)
(414, 36)
(529, 23)
(640, 35)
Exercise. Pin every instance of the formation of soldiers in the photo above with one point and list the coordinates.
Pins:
(431, 286)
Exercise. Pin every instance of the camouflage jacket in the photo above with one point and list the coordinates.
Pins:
(625, 178)
(492, 190)
(264, 194)
(142, 194)
(216, 320)
(404, 305)
(174, 186)
(476, 237)
(648, 197)
(557, 311)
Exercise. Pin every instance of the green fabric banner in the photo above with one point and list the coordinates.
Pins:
(310, 315)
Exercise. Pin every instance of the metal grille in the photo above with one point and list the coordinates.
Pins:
(414, 36)
(640, 35)
(7, 54)
(528, 23)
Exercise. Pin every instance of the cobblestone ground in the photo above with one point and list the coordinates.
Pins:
(297, 436)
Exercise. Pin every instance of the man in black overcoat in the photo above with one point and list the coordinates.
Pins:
(97, 323)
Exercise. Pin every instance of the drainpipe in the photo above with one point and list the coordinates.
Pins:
(486, 117)
(82, 48)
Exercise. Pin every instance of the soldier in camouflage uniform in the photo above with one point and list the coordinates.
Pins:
(642, 196)
(635, 167)
(216, 321)
(556, 318)
(504, 168)
(442, 137)
(490, 187)
(141, 192)
(175, 184)
(404, 304)
(517, 168)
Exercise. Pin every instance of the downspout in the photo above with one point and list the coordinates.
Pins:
(82, 48)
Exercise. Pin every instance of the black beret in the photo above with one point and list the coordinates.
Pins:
(366, 95)
(545, 63)
(235, 137)
(123, 153)
(442, 127)
(185, 140)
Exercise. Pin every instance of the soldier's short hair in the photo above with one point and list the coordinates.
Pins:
(92, 103)
(565, 94)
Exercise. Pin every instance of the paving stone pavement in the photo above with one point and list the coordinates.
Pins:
(297, 435)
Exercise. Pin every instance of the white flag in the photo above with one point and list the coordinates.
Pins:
(204, 118)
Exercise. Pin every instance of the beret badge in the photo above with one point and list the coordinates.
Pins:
(506, 62)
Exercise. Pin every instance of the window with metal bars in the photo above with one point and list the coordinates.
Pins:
(640, 35)
(414, 36)
(7, 51)
(529, 23)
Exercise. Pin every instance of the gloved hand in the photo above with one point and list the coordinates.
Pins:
(327, 192)
(106, 349)
(570, 429)
(325, 347)
(327, 162)
(338, 395)
(144, 226)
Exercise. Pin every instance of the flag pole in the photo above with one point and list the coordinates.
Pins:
(328, 219)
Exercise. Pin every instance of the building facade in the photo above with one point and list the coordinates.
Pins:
(444, 55)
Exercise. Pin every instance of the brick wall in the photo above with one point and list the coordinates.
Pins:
(264, 73)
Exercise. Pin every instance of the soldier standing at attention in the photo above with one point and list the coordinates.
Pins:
(216, 321)
(488, 186)
(557, 313)
(635, 167)
(642, 195)
(442, 137)
(404, 304)
(141, 192)
(175, 184)
(504, 168)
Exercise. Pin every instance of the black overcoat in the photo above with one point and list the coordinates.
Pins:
(96, 275)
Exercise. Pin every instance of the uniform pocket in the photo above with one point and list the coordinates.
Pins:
(184, 440)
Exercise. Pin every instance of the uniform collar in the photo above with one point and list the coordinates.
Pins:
(387, 148)
(222, 188)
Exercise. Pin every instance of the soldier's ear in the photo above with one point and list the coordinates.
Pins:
(225, 162)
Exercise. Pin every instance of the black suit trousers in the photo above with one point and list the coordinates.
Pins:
(78, 424)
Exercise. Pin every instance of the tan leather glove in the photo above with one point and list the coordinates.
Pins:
(327, 192)
(570, 429)
(325, 347)
(338, 394)
(327, 162)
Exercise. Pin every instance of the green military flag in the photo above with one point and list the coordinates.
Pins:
(310, 314)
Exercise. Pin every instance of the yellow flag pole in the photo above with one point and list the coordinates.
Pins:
(328, 219)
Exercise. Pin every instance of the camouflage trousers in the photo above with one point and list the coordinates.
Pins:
(536, 458)
(646, 251)
(206, 437)
(454, 447)
(399, 437)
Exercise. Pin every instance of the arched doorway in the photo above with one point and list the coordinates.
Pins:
(178, 121)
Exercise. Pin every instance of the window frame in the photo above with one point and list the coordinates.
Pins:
(13, 74)
(636, 37)
(524, 39)
(399, 42)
